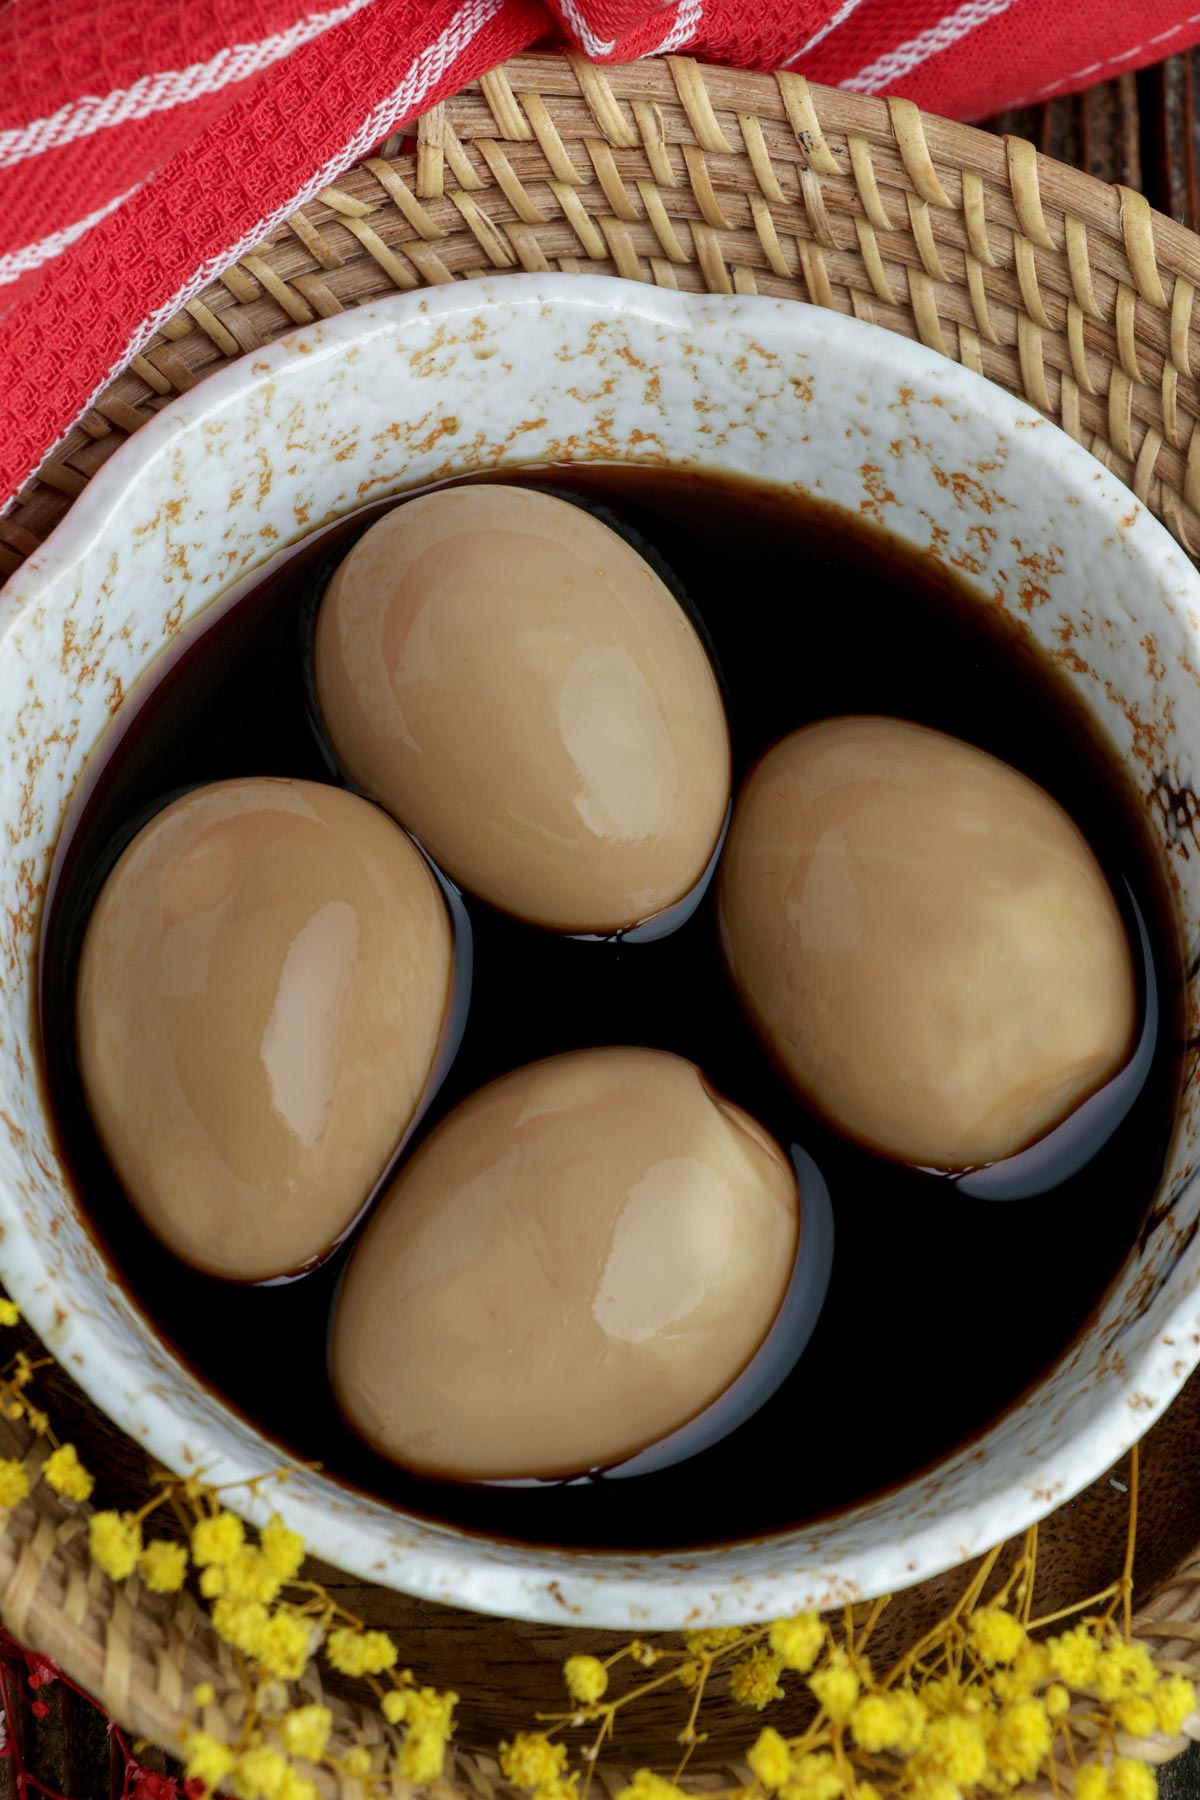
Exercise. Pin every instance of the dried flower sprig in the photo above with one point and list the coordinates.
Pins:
(273, 1620)
(988, 1702)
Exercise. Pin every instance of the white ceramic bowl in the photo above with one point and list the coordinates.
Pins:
(528, 368)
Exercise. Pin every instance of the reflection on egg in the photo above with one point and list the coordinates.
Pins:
(925, 939)
(262, 990)
(578, 1260)
(519, 688)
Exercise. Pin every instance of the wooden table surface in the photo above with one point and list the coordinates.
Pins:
(1142, 130)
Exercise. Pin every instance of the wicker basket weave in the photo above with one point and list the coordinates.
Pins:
(1062, 289)
(1057, 286)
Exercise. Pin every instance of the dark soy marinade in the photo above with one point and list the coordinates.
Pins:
(942, 1310)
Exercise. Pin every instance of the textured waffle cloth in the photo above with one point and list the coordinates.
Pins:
(145, 144)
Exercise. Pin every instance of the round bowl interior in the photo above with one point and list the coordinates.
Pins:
(487, 374)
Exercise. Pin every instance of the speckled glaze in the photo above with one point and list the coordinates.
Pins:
(480, 375)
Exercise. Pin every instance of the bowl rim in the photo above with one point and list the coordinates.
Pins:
(608, 1589)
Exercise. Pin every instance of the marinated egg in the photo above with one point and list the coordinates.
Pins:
(578, 1260)
(262, 990)
(925, 939)
(517, 686)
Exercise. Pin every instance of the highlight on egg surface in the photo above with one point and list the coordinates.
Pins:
(261, 997)
(925, 940)
(578, 1260)
(519, 688)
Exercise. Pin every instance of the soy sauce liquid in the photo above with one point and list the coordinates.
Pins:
(941, 1309)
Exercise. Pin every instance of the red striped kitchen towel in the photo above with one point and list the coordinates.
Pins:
(145, 143)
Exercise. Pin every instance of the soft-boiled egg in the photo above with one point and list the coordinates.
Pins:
(262, 991)
(519, 688)
(577, 1261)
(925, 939)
